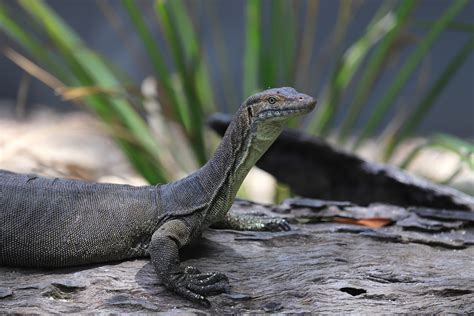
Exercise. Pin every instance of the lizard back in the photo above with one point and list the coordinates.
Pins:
(59, 222)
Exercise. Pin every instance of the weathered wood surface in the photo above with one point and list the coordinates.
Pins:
(315, 169)
(421, 263)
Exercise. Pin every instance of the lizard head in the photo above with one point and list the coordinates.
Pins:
(276, 106)
(258, 123)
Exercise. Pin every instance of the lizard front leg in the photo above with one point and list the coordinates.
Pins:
(188, 282)
(252, 221)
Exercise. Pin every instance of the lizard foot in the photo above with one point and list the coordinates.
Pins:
(274, 224)
(253, 221)
(194, 285)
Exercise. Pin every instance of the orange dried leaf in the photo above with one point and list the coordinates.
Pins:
(346, 220)
(374, 222)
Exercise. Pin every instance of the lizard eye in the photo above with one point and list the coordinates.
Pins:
(272, 100)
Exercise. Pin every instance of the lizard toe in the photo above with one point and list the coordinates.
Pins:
(211, 289)
(191, 270)
(277, 224)
(192, 296)
(284, 225)
(208, 278)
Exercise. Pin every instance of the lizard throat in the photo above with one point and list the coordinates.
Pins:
(236, 155)
(258, 143)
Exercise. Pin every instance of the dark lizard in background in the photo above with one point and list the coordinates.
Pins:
(59, 222)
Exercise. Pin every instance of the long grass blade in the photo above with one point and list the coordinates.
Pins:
(187, 70)
(332, 46)
(158, 61)
(117, 23)
(307, 44)
(278, 52)
(412, 122)
(226, 77)
(406, 71)
(194, 52)
(270, 58)
(32, 69)
(452, 26)
(373, 68)
(90, 71)
(252, 47)
(289, 43)
(137, 158)
(412, 155)
(454, 143)
(32, 45)
(346, 68)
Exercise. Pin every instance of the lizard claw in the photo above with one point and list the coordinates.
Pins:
(194, 285)
(194, 297)
(275, 224)
(191, 270)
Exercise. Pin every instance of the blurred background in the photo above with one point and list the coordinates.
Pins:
(394, 82)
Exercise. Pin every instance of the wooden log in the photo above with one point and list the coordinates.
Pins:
(322, 266)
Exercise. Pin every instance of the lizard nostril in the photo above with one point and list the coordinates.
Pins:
(300, 98)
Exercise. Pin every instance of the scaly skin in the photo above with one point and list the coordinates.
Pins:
(59, 222)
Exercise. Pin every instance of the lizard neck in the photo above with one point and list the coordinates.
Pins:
(211, 190)
(238, 152)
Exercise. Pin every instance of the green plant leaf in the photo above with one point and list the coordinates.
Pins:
(194, 52)
(411, 123)
(226, 79)
(32, 45)
(407, 70)
(90, 71)
(158, 62)
(252, 47)
(269, 62)
(334, 42)
(187, 74)
(373, 68)
(308, 39)
(278, 53)
(452, 26)
(346, 68)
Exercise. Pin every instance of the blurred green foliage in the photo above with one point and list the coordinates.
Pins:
(280, 38)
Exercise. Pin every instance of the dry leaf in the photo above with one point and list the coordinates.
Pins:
(374, 222)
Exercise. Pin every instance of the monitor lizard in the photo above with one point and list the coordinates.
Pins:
(63, 222)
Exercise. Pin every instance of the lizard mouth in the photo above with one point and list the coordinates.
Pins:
(288, 111)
